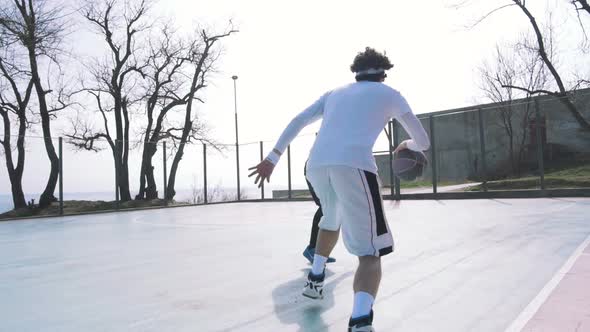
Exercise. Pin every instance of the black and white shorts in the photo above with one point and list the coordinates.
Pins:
(351, 200)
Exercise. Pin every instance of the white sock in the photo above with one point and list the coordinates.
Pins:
(319, 262)
(363, 302)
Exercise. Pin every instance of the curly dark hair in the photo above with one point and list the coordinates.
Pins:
(370, 59)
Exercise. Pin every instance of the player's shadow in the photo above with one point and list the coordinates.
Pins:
(293, 308)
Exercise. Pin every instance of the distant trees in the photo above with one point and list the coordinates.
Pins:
(163, 80)
(539, 45)
(32, 32)
(142, 89)
(113, 80)
(152, 74)
(541, 49)
(177, 70)
(516, 65)
(202, 58)
(16, 88)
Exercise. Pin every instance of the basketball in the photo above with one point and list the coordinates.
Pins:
(409, 165)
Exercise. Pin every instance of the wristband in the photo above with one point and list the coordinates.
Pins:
(273, 157)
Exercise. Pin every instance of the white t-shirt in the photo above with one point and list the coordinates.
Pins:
(353, 117)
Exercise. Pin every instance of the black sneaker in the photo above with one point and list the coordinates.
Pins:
(361, 324)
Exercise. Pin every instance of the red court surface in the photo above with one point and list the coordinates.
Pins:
(568, 306)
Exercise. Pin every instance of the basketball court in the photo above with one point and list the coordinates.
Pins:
(459, 265)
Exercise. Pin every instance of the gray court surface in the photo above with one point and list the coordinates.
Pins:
(465, 265)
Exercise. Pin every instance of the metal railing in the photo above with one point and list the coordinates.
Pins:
(479, 166)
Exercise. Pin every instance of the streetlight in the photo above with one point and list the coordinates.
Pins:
(235, 78)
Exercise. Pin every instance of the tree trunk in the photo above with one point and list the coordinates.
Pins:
(114, 149)
(151, 189)
(125, 182)
(170, 191)
(148, 188)
(18, 195)
(141, 194)
(152, 148)
(121, 161)
(15, 174)
(122, 171)
(147, 169)
(124, 192)
(142, 171)
(47, 196)
(122, 144)
(17, 187)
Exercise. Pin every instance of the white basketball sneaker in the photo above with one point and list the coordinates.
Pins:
(314, 287)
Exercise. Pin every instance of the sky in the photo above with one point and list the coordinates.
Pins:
(288, 53)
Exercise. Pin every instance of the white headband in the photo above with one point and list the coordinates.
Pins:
(370, 71)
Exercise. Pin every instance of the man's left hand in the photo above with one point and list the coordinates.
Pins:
(263, 171)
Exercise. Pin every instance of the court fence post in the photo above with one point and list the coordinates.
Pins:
(165, 168)
(61, 178)
(289, 195)
(391, 175)
(261, 159)
(539, 141)
(205, 196)
(396, 142)
(238, 170)
(117, 162)
(482, 145)
(433, 157)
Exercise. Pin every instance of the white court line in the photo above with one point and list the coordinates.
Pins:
(527, 314)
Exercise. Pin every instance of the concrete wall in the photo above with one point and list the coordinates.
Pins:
(457, 137)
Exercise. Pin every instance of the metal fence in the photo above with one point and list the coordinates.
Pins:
(531, 148)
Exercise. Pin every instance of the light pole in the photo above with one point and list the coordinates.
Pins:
(235, 78)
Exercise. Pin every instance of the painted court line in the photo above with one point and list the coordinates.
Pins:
(531, 309)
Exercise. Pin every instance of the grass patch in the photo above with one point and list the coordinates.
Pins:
(571, 178)
(304, 193)
(75, 207)
(580, 172)
(427, 184)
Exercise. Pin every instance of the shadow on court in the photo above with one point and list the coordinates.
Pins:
(292, 308)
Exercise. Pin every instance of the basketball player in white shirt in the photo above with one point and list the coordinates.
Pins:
(342, 171)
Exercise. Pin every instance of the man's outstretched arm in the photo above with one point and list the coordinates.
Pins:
(264, 170)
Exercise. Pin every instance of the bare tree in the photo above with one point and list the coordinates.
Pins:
(114, 80)
(494, 76)
(581, 5)
(562, 94)
(164, 81)
(524, 68)
(39, 28)
(202, 57)
(16, 87)
(169, 90)
(541, 49)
